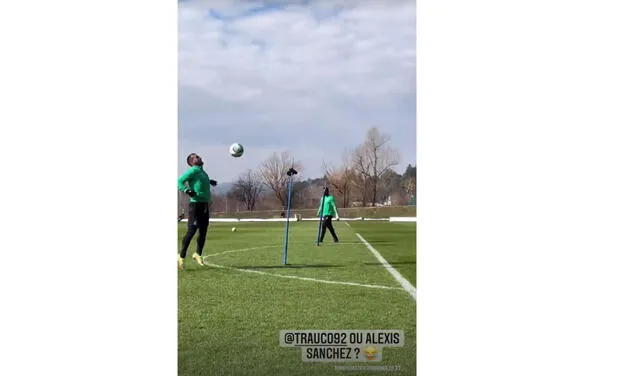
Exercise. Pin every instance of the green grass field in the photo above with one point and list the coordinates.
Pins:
(232, 310)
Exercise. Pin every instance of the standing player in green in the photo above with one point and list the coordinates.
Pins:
(329, 210)
(195, 183)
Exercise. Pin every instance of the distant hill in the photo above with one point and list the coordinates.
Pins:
(222, 188)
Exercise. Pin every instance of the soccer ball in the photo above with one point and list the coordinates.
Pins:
(234, 229)
(236, 150)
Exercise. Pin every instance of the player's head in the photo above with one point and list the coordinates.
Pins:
(194, 159)
(326, 191)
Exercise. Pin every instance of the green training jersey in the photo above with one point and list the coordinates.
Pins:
(198, 181)
(329, 206)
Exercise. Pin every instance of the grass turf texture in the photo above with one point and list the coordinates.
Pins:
(229, 320)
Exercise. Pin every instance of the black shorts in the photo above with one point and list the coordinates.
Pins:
(198, 214)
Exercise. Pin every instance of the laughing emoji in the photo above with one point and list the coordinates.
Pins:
(370, 353)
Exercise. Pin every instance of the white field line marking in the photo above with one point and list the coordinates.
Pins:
(406, 285)
(266, 246)
(204, 258)
(241, 250)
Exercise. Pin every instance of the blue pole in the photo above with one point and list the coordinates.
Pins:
(320, 222)
(286, 234)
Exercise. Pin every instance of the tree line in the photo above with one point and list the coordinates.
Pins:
(365, 177)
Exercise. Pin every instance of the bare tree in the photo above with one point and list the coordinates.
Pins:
(232, 204)
(247, 189)
(409, 181)
(390, 184)
(274, 174)
(340, 179)
(410, 186)
(370, 160)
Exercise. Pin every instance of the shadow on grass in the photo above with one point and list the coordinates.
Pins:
(205, 269)
(288, 266)
(357, 242)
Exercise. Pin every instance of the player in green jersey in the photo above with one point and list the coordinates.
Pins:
(329, 210)
(196, 184)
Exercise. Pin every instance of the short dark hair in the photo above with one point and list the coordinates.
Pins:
(189, 158)
(326, 191)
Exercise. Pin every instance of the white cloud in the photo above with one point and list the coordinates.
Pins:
(298, 78)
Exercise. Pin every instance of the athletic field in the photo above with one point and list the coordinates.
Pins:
(231, 311)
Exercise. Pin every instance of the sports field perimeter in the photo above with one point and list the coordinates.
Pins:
(231, 312)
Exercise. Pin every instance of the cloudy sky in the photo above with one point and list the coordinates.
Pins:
(305, 76)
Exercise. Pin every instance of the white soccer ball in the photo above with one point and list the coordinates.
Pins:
(236, 150)
(234, 229)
